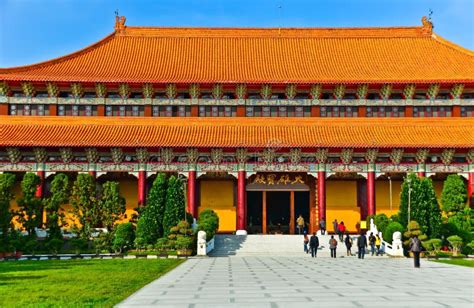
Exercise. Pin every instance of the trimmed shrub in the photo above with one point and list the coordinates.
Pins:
(412, 230)
(162, 244)
(54, 246)
(78, 244)
(175, 208)
(391, 229)
(124, 237)
(456, 243)
(208, 222)
(454, 194)
(184, 242)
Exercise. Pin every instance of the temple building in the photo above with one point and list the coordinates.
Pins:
(262, 124)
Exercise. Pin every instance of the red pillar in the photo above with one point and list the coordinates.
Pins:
(39, 188)
(371, 193)
(93, 173)
(421, 174)
(141, 188)
(322, 195)
(241, 208)
(470, 188)
(192, 208)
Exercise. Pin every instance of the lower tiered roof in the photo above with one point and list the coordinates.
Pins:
(237, 132)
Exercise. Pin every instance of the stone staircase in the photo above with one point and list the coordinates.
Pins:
(271, 245)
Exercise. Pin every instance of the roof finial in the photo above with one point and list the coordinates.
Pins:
(119, 22)
(427, 27)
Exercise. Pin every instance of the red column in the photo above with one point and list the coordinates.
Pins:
(322, 195)
(39, 188)
(141, 188)
(241, 208)
(470, 188)
(93, 173)
(421, 174)
(192, 208)
(371, 193)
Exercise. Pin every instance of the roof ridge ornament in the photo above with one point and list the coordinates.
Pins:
(427, 27)
(119, 23)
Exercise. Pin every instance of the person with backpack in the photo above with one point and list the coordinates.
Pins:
(305, 242)
(333, 246)
(378, 242)
(361, 245)
(313, 245)
(372, 243)
(348, 242)
(415, 248)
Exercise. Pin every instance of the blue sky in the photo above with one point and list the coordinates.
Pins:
(38, 30)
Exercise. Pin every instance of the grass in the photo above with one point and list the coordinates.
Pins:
(461, 262)
(81, 283)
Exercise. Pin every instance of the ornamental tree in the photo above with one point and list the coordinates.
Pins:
(59, 196)
(174, 205)
(424, 206)
(454, 195)
(30, 207)
(150, 223)
(111, 205)
(7, 180)
(83, 200)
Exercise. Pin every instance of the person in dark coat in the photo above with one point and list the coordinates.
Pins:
(348, 242)
(415, 247)
(361, 245)
(322, 226)
(313, 245)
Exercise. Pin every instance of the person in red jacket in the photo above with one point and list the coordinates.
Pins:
(341, 229)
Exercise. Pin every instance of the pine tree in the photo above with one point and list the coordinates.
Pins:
(30, 210)
(175, 207)
(150, 224)
(83, 200)
(7, 180)
(424, 207)
(59, 196)
(111, 205)
(454, 195)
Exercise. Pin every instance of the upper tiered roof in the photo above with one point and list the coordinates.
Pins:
(259, 55)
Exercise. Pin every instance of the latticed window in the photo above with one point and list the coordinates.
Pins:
(282, 111)
(339, 111)
(125, 111)
(217, 111)
(384, 111)
(171, 111)
(29, 110)
(77, 110)
(432, 111)
(467, 111)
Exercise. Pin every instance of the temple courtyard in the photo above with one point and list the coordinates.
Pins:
(279, 281)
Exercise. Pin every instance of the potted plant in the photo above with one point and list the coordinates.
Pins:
(162, 245)
(184, 245)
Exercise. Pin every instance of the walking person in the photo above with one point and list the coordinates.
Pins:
(341, 229)
(313, 245)
(378, 242)
(305, 242)
(348, 242)
(300, 224)
(335, 225)
(322, 226)
(415, 248)
(333, 246)
(372, 243)
(361, 245)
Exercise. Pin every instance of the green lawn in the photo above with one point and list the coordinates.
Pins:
(76, 283)
(461, 262)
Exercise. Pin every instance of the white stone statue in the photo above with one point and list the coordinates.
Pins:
(397, 247)
(201, 243)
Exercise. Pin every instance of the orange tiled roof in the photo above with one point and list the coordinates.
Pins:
(236, 132)
(229, 55)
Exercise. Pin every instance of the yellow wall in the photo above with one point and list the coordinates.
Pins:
(382, 197)
(129, 190)
(219, 196)
(341, 204)
(438, 187)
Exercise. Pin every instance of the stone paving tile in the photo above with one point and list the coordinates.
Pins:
(303, 282)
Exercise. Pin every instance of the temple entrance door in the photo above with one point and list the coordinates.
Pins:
(254, 212)
(302, 207)
(278, 212)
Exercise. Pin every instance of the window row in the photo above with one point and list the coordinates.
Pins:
(231, 111)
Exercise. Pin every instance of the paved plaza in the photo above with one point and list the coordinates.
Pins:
(304, 282)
